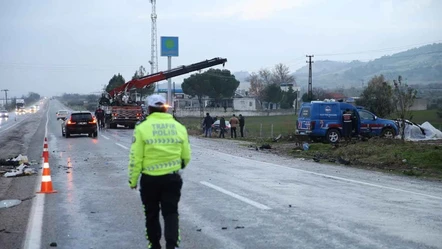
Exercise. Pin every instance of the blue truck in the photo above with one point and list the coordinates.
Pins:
(322, 120)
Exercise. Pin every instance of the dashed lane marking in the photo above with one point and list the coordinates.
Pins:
(105, 137)
(236, 196)
(122, 146)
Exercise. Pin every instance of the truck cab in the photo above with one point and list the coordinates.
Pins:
(322, 120)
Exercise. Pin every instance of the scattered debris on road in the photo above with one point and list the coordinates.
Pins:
(18, 166)
(9, 203)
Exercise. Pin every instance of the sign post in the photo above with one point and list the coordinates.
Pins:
(169, 48)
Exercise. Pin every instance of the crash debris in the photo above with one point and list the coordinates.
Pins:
(17, 166)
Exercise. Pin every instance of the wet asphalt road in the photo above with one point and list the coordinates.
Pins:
(234, 199)
(7, 123)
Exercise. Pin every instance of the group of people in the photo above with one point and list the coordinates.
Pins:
(234, 122)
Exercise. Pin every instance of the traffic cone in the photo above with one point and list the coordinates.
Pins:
(45, 149)
(46, 181)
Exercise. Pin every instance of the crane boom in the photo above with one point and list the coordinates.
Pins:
(156, 77)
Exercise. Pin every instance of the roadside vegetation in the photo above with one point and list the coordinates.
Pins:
(420, 159)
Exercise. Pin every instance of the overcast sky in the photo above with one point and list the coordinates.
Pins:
(58, 46)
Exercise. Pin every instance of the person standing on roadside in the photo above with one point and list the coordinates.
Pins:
(233, 124)
(222, 127)
(160, 150)
(241, 124)
(208, 121)
(99, 114)
(347, 124)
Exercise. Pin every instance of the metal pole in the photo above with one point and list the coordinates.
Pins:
(169, 82)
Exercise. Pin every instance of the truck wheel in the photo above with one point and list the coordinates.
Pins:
(388, 133)
(333, 136)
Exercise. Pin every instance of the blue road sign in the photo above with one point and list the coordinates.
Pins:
(169, 46)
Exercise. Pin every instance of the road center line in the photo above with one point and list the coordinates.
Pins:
(122, 146)
(105, 137)
(35, 223)
(332, 177)
(241, 198)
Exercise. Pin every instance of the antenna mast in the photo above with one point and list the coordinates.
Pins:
(154, 50)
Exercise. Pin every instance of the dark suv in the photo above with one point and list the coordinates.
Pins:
(79, 122)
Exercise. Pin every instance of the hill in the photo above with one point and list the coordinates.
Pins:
(421, 65)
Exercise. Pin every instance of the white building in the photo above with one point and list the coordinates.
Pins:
(245, 104)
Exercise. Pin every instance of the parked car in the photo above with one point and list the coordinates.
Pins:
(215, 126)
(79, 122)
(322, 120)
(62, 114)
(4, 113)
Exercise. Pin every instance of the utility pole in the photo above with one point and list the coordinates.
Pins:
(310, 87)
(6, 96)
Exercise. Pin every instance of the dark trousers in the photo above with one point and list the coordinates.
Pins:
(241, 130)
(221, 132)
(232, 131)
(347, 130)
(165, 192)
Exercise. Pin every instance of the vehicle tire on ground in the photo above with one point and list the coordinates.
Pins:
(388, 133)
(67, 134)
(113, 126)
(95, 134)
(333, 136)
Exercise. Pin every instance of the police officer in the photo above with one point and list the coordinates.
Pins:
(160, 149)
(347, 124)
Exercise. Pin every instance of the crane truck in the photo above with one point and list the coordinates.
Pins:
(121, 110)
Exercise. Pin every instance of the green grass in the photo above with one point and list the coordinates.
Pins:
(255, 127)
(427, 115)
(409, 158)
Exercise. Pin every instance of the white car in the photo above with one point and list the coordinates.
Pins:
(62, 114)
(4, 114)
(215, 126)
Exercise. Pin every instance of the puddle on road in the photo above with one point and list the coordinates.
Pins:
(9, 203)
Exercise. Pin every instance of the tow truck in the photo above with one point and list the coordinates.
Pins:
(122, 112)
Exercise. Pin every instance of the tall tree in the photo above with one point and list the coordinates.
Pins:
(214, 83)
(196, 86)
(378, 97)
(273, 94)
(222, 84)
(405, 97)
(281, 75)
(258, 82)
(288, 98)
(115, 81)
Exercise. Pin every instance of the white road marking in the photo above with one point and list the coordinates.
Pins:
(241, 198)
(122, 146)
(35, 223)
(105, 137)
(334, 177)
(12, 126)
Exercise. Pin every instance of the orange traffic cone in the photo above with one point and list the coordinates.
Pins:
(45, 149)
(46, 181)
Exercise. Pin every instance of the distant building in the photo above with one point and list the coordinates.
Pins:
(245, 104)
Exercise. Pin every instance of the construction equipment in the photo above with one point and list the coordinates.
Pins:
(120, 109)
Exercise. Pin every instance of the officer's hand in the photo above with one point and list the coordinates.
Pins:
(134, 187)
